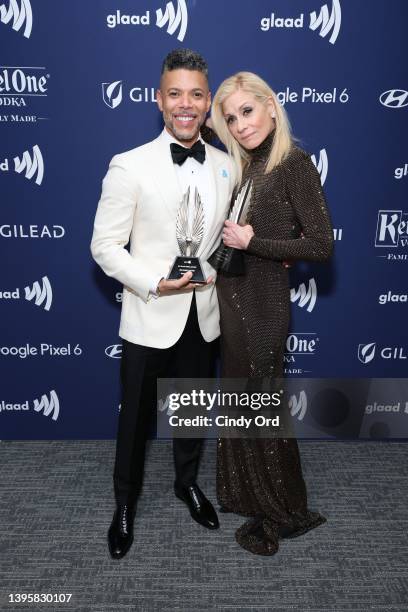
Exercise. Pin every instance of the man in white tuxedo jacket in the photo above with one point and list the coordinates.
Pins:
(167, 326)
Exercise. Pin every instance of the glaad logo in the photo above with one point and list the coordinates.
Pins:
(114, 351)
(112, 93)
(298, 406)
(322, 166)
(366, 352)
(305, 296)
(20, 15)
(42, 295)
(393, 297)
(170, 18)
(174, 20)
(338, 233)
(400, 172)
(394, 98)
(48, 405)
(329, 23)
(32, 166)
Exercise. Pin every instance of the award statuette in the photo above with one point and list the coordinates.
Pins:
(227, 259)
(189, 233)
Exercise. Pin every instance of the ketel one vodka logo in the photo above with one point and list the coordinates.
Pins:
(327, 23)
(30, 165)
(174, 18)
(392, 232)
(18, 14)
(305, 297)
(40, 293)
(322, 165)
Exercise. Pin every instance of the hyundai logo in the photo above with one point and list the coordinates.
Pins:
(114, 351)
(394, 98)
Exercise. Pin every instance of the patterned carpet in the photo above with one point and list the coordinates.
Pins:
(56, 506)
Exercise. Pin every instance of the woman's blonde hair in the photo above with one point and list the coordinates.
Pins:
(251, 83)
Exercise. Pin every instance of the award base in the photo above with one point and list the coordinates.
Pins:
(182, 264)
(228, 260)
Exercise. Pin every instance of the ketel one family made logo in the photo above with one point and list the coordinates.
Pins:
(327, 23)
(305, 297)
(392, 233)
(299, 346)
(112, 94)
(22, 90)
(174, 18)
(48, 405)
(18, 14)
(40, 293)
(30, 165)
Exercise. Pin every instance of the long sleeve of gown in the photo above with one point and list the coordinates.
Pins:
(309, 204)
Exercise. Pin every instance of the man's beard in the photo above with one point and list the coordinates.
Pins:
(181, 136)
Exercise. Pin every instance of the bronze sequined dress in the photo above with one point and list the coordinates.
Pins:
(262, 478)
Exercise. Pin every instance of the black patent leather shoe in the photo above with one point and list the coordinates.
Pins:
(201, 509)
(120, 534)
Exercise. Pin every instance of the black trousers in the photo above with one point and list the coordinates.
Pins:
(190, 357)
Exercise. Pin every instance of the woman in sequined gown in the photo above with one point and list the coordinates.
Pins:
(288, 220)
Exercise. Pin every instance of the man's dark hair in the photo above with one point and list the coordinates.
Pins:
(185, 59)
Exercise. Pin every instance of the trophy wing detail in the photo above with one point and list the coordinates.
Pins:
(242, 201)
(197, 231)
(182, 229)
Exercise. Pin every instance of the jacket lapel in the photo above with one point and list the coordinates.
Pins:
(165, 177)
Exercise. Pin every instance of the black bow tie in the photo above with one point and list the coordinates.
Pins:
(180, 154)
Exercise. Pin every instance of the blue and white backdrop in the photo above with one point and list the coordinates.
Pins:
(77, 85)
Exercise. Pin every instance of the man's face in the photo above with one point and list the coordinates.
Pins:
(184, 100)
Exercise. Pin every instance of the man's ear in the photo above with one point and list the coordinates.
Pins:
(208, 101)
(159, 100)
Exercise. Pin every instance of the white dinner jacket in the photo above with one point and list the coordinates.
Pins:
(140, 199)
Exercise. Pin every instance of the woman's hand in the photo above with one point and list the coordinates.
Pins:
(237, 236)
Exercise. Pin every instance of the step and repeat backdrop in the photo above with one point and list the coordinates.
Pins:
(77, 85)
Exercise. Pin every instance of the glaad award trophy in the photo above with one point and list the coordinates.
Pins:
(189, 233)
(227, 259)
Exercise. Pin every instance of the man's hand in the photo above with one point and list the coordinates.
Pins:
(237, 236)
(180, 284)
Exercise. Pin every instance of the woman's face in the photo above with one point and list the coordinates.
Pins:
(248, 120)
